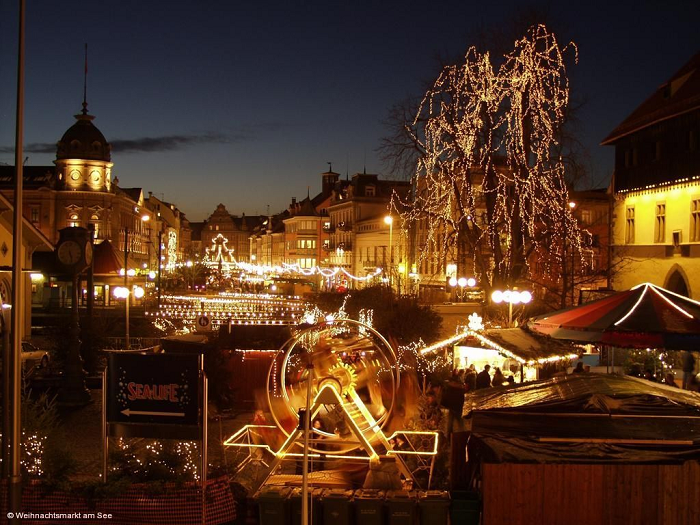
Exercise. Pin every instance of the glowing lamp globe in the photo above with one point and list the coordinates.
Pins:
(120, 292)
(139, 292)
(462, 282)
(525, 297)
(452, 281)
(471, 282)
(497, 296)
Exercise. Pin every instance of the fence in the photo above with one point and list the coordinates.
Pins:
(612, 494)
(175, 506)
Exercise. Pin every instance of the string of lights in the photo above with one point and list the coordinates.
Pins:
(489, 184)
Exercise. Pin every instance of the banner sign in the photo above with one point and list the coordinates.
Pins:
(153, 389)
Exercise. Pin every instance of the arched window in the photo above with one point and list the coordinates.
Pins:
(73, 219)
(95, 220)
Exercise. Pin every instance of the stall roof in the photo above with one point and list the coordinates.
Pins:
(525, 346)
(585, 418)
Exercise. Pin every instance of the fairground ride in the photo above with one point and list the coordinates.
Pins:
(346, 375)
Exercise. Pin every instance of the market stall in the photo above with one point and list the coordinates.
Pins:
(577, 446)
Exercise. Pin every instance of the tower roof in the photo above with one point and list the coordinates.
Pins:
(84, 141)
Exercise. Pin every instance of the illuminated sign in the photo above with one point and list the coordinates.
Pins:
(154, 395)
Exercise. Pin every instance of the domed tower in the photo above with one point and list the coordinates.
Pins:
(83, 157)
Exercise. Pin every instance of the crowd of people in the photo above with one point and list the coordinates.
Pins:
(469, 380)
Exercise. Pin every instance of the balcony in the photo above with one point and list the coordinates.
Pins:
(328, 229)
(345, 227)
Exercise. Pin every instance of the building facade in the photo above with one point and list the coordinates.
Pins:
(656, 183)
(79, 191)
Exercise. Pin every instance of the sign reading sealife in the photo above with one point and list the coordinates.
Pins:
(158, 389)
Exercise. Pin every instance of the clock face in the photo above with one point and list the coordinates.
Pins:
(69, 253)
(88, 252)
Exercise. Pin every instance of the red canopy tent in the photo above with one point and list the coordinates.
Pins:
(646, 316)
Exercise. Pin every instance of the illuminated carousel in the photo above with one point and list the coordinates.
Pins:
(346, 376)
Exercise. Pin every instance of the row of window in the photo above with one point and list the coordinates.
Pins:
(660, 223)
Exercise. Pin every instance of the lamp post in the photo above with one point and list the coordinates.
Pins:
(390, 221)
(511, 297)
(462, 282)
(127, 274)
(123, 292)
(572, 206)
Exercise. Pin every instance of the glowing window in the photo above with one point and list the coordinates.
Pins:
(629, 232)
(660, 223)
(695, 220)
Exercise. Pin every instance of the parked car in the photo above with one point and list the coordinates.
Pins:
(33, 356)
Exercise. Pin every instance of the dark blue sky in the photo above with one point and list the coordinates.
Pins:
(245, 102)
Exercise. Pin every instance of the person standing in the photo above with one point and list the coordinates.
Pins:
(688, 368)
(470, 378)
(483, 378)
(498, 378)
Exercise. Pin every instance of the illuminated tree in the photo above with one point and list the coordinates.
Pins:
(489, 190)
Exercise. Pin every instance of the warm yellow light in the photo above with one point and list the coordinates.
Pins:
(139, 292)
(120, 292)
(388, 220)
(36, 277)
(145, 218)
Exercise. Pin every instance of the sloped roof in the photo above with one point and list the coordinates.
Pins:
(680, 94)
(527, 345)
(35, 177)
(646, 316)
(584, 418)
(307, 209)
(30, 233)
(135, 194)
(107, 260)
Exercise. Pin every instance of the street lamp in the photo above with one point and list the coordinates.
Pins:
(128, 273)
(572, 207)
(511, 297)
(123, 292)
(462, 282)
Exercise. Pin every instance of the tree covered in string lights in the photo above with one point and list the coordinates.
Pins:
(489, 189)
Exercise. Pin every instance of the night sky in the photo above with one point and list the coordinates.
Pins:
(245, 102)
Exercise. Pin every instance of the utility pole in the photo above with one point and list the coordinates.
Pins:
(12, 367)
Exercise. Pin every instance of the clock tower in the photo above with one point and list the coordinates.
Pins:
(83, 157)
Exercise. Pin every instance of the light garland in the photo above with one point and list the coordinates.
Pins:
(295, 268)
(494, 346)
(469, 205)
